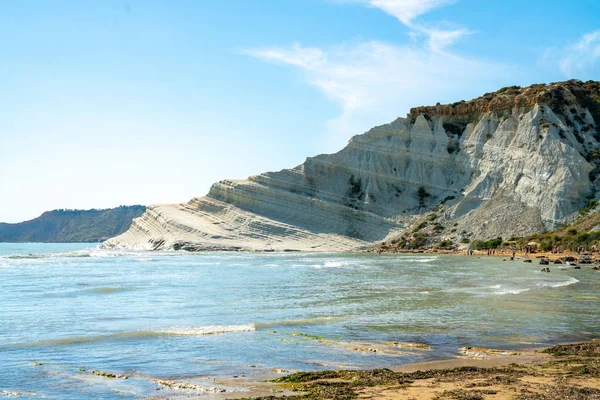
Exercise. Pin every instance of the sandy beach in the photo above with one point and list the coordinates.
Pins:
(506, 254)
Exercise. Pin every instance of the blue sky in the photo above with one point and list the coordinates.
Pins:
(110, 102)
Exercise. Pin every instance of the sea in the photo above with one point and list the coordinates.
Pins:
(74, 315)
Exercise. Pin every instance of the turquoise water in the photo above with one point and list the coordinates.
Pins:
(68, 309)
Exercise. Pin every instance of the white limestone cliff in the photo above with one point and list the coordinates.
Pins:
(503, 165)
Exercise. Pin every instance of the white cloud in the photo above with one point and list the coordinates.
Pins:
(304, 57)
(579, 56)
(374, 82)
(439, 39)
(407, 10)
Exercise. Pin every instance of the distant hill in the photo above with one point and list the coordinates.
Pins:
(72, 225)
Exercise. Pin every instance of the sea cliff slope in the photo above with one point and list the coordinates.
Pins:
(512, 162)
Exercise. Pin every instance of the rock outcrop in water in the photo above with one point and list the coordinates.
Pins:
(513, 162)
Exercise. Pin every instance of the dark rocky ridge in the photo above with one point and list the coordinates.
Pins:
(556, 95)
(71, 226)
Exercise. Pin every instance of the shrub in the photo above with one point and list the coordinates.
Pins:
(583, 237)
(490, 244)
(494, 243)
(418, 241)
(420, 226)
(572, 232)
(478, 245)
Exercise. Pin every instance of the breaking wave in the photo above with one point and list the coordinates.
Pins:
(501, 291)
(558, 284)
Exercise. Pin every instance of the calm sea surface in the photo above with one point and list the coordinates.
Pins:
(68, 309)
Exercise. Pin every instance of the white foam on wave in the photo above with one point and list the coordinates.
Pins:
(419, 259)
(100, 253)
(206, 330)
(571, 281)
(502, 292)
(333, 264)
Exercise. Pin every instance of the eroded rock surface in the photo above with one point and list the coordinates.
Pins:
(509, 163)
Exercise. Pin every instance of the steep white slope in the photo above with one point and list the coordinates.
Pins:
(499, 172)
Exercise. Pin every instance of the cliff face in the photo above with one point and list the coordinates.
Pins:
(508, 163)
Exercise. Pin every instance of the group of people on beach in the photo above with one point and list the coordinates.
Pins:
(492, 252)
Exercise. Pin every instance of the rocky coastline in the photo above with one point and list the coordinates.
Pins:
(514, 162)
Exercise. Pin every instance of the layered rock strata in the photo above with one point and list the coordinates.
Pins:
(509, 163)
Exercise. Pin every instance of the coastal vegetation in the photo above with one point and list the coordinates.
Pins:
(432, 232)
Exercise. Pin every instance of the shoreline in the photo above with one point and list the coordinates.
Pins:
(568, 368)
(594, 256)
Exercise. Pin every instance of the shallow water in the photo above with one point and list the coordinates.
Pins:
(67, 309)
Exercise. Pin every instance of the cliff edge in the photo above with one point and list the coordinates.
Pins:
(509, 163)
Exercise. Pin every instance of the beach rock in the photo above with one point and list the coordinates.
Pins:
(544, 261)
(506, 164)
(527, 261)
(558, 261)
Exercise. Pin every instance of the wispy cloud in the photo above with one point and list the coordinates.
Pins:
(309, 58)
(376, 81)
(578, 56)
(407, 11)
